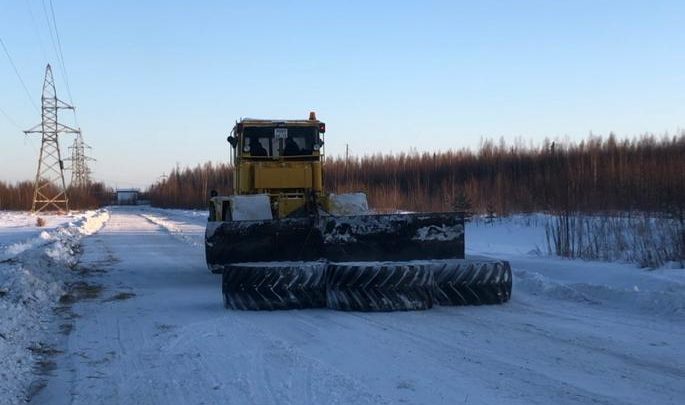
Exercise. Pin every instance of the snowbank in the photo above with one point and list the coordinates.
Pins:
(69, 228)
(521, 240)
(20, 247)
(667, 301)
(32, 280)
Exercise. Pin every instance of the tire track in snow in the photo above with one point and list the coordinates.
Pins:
(291, 363)
(172, 228)
(481, 360)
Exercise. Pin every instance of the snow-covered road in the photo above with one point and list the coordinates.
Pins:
(158, 334)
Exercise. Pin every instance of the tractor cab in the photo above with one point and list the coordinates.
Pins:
(281, 159)
(254, 139)
(280, 141)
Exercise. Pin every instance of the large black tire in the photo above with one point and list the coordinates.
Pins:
(472, 282)
(272, 286)
(379, 287)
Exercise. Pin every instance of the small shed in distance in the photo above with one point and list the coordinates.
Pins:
(127, 196)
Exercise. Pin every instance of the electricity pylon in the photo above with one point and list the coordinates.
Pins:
(50, 191)
(80, 173)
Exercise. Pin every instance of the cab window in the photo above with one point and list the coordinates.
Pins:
(291, 141)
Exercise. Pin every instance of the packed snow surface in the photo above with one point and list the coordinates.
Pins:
(574, 332)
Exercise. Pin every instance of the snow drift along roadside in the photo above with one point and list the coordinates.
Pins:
(33, 274)
(666, 301)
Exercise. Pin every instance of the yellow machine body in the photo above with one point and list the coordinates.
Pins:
(281, 158)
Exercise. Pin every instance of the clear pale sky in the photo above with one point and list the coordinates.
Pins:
(158, 83)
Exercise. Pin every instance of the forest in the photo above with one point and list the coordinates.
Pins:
(645, 174)
(19, 196)
(596, 175)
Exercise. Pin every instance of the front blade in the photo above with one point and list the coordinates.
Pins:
(393, 237)
(262, 241)
(344, 238)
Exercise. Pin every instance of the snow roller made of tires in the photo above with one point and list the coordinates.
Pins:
(273, 286)
(471, 281)
(372, 286)
(366, 286)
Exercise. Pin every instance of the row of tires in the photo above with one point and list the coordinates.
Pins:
(366, 286)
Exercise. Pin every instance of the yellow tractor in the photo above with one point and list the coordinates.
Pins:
(281, 241)
(281, 159)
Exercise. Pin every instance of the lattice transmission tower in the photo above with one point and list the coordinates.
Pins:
(80, 172)
(50, 191)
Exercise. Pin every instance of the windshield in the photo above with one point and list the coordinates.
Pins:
(279, 141)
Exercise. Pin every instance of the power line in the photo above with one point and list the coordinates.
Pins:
(36, 31)
(11, 121)
(116, 182)
(16, 71)
(52, 36)
(61, 54)
(14, 123)
(56, 41)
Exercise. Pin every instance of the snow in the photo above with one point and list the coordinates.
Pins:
(348, 204)
(345, 228)
(574, 332)
(18, 231)
(521, 240)
(185, 225)
(442, 232)
(32, 276)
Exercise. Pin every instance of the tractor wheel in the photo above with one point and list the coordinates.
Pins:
(272, 286)
(472, 282)
(378, 287)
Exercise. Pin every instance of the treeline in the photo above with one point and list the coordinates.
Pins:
(189, 188)
(19, 196)
(646, 174)
(595, 175)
